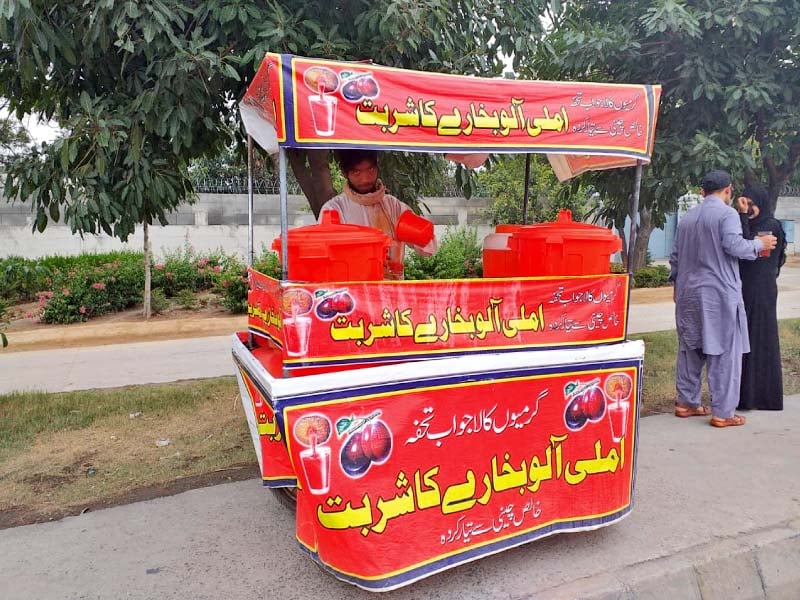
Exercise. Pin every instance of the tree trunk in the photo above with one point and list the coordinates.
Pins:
(642, 238)
(313, 172)
(146, 231)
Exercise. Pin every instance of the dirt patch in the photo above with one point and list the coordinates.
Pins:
(27, 515)
(25, 332)
(651, 295)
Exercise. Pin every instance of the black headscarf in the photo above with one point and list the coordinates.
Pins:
(760, 197)
(766, 219)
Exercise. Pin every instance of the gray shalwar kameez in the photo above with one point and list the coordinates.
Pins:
(709, 311)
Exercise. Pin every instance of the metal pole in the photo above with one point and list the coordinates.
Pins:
(527, 186)
(284, 198)
(637, 184)
(250, 240)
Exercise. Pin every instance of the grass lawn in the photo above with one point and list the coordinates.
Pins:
(63, 453)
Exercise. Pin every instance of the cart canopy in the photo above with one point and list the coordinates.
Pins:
(311, 103)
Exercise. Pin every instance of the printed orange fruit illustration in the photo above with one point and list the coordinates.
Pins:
(297, 301)
(618, 385)
(309, 427)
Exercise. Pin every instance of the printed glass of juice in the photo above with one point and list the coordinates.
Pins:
(296, 331)
(618, 417)
(317, 467)
(765, 251)
(323, 113)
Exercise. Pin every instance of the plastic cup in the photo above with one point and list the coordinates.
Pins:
(765, 251)
(317, 467)
(395, 261)
(618, 417)
(323, 114)
(296, 331)
(413, 229)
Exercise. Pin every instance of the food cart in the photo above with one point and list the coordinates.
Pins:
(426, 424)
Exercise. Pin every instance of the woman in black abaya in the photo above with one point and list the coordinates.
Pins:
(762, 381)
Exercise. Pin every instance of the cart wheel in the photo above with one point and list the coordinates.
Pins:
(286, 496)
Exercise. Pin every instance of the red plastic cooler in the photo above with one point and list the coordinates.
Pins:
(562, 247)
(332, 251)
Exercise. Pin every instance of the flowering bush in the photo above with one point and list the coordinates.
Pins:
(90, 290)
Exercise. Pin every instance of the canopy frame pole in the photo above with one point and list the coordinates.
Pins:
(527, 188)
(637, 185)
(250, 241)
(250, 237)
(283, 191)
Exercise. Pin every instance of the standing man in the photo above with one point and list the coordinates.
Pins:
(709, 312)
(364, 201)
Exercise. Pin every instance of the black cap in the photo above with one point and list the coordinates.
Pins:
(715, 180)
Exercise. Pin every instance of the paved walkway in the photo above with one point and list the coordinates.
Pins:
(716, 516)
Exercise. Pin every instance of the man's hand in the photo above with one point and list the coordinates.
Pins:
(769, 241)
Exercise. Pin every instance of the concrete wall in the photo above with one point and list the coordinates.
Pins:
(215, 221)
(219, 221)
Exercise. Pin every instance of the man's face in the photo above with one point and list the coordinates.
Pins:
(727, 193)
(363, 177)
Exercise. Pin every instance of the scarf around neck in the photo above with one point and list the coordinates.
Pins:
(366, 199)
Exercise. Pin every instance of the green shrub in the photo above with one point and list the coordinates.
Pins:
(158, 302)
(657, 276)
(21, 279)
(268, 264)
(186, 300)
(3, 322)
(231, 282)
(90, 289)
(618, 267)
(459, 257)
(232, 289)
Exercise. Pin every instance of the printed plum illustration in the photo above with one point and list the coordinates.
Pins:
(376, 441)
(593, 403)
(574, 417)
(367, 440)
(359, 87)
(353, 458)
(336, 303)
(587, 405)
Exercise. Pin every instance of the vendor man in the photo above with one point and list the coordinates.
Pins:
(364, 201)
(709, 311)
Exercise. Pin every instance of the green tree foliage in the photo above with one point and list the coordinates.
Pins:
(730, 87)
(504, 180)
(141, 88)
(138, 87)
(14, 139)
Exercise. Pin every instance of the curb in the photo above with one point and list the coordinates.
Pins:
(760, 564)
(101, 334)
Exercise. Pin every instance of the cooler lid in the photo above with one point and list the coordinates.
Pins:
(565, 227)
(332, 230)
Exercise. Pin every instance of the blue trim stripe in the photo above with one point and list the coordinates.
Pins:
(443, 380)
(468, 555)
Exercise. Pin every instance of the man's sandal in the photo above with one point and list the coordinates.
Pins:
(691, 411)
(734, 421)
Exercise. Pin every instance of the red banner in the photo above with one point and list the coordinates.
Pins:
(341, 323)
(268, 439)
(310, 102)
(449, 469)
